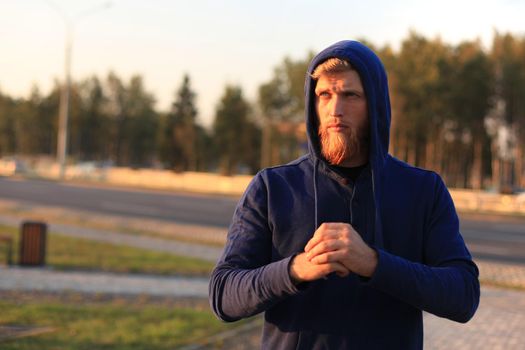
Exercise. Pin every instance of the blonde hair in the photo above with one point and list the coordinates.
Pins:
(331, 65)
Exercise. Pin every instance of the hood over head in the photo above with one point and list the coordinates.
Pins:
(375, 84)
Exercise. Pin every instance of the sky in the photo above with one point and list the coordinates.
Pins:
(217, 42)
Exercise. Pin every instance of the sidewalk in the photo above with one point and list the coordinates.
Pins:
(47, 280)
(499, 324)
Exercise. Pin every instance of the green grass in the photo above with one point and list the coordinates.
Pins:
(114, 324)
(67, 253)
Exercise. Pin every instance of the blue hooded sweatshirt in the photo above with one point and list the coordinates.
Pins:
(405, 213)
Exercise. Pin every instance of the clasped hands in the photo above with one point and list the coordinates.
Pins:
(334, 247)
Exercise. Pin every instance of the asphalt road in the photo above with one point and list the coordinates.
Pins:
(495, 237)
(490, 237)
(168, 206)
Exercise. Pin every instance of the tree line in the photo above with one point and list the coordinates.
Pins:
(457, 109)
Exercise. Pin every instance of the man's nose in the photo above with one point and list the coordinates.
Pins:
(336, 107)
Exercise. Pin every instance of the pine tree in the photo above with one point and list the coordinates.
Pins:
(234, 133)
(178, 148)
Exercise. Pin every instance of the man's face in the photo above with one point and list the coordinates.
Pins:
(343, 118)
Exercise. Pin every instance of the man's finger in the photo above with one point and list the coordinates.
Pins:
(329, 257)
(339, 269)
(343, 274)
(323, 247)
(322, 233)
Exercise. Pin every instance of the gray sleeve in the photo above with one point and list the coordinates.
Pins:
(245, 281)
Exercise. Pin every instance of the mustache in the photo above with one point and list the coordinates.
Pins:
(335, 123)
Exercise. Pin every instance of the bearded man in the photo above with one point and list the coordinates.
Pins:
(344, 247)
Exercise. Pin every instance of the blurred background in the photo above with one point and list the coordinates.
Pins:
(114, 114)
(219, 87)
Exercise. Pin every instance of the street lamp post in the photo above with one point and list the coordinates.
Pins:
(63, 117)
(63, 114)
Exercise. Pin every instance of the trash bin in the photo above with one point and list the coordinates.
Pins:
(33, 243)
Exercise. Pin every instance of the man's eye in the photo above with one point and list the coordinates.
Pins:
(324, 94)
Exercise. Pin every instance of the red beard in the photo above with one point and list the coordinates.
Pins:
(336, 147)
